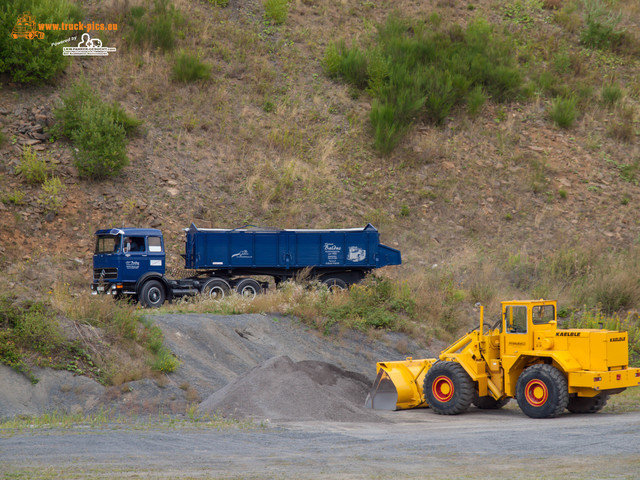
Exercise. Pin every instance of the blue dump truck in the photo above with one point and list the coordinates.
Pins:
(131, 261)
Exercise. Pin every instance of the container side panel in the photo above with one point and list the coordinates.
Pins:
(307, 249)
(241, 248)
(357, 249)
(266, 249)
(333, 249)
(213, 251)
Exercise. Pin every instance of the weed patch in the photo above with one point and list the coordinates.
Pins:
(153, 25)
(276, 10)
(564, 111)
(189, 68)
(414, 71)
(98, 130)
(31, 168)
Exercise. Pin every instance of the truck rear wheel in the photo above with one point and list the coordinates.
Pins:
(587, 404)
(152, 294)
(542, 391)
(448, 388)
(216, 288)
(248, 288)
(335, 284)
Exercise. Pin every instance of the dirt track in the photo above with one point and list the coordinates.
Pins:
(477, 445)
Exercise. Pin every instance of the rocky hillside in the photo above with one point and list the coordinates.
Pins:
(264, 135)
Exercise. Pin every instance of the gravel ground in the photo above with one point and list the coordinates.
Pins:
(412, 444)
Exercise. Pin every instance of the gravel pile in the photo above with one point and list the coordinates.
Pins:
(283, 390)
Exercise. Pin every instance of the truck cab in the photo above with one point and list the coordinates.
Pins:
(124, 257)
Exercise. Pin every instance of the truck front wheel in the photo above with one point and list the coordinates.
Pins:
(152, 294)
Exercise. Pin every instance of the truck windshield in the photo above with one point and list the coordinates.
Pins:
(108, 243)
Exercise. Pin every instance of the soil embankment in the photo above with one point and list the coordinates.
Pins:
(259, 366)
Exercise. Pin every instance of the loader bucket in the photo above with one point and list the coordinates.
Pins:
(398, 385)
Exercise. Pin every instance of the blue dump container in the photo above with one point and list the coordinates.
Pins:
(260, 249)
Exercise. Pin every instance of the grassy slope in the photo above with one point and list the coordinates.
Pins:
(270, 140)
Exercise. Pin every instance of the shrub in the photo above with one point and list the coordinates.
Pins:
(414, 70)
(189, 68)
(601, 26)
(97, 129)
(476, 100)
(34, 60)
(276, 10)
(563, 111)
(611, 94)
(51, 195)
(101, 143)
(33, 169)
(154, 26)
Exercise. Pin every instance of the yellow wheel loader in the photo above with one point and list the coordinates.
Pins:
(523, 356)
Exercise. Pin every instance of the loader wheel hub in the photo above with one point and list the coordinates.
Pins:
(536, 392)
(443, 388)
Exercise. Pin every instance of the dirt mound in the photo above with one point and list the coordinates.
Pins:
(284, 390)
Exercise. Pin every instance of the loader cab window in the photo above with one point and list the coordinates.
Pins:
(543, 314)
(515, 319)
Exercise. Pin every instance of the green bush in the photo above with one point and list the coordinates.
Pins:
(563, 111)
(611, 94)
(601, 26)
(34, 60)
(276, 10)
(413, 70)
(33, 169)
(154, 26)
(97, 129)
(376, 302)
(51, 196)
(100, 142)
(189, 68)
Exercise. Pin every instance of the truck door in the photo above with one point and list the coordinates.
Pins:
(155, 251)
(135, 258)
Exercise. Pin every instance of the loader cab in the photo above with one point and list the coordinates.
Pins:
(524, 322)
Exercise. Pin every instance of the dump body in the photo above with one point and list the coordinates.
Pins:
(283, 250)
(526, 357)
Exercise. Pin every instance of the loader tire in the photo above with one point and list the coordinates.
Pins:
(587, 404)
(542, 391)
(489, 403)
(448, 388)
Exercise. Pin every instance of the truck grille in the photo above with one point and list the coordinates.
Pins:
(105, 273)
